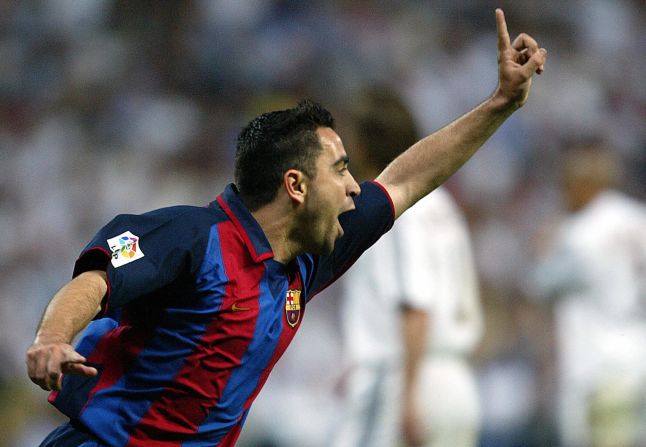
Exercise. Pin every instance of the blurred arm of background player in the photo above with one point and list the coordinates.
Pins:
(415, 329)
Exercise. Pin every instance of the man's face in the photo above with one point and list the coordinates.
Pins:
(329, 195)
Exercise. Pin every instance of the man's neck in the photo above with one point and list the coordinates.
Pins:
(276, 223)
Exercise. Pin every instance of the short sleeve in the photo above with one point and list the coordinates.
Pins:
(417, 248)
(374, 215)
(147, 252)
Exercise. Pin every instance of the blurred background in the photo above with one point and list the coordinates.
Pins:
(111, 106)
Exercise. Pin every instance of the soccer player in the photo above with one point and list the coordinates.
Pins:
(411, 311)
(593, 265)
(189, 308)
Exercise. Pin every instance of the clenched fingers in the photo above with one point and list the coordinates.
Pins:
(525, 41)
(526, 47)
(535, 63)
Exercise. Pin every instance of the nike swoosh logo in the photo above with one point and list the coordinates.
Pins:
(236, 308)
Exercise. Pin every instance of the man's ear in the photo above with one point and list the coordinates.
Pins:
(295, 183)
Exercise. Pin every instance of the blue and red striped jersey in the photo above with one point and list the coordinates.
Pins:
(196, 315)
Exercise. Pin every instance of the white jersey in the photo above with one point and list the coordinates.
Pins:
(597, 271)
(424, 262)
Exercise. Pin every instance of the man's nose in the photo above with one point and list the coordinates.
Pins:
(354, 189)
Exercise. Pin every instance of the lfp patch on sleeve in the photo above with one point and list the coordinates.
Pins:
(125, 248)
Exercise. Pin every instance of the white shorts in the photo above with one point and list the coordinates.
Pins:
(449, 402)
(370, 410)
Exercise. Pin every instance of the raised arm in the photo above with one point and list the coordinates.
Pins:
(71, 309)
(429, 162)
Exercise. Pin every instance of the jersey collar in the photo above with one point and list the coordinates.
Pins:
(245, 223)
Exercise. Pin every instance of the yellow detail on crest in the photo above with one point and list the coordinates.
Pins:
(293, 307)
(293, 300)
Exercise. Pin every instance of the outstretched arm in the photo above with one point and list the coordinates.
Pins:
(71, 309)
(432, 160)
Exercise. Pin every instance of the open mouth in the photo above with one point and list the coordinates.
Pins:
(338, 220)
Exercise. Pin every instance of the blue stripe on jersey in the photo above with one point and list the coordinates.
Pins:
(94, 333)
(306, 269)
(163, 355)
(244, 380)
(72, 403)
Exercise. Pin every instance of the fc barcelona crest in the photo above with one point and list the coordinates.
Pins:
(293, 307)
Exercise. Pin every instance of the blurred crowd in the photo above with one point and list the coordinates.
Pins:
(115, 106)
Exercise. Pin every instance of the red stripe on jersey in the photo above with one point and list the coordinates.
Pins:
(286, 337)
(115, 351)
(198, 386)
(258, 257)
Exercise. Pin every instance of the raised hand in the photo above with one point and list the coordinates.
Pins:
(517, 63)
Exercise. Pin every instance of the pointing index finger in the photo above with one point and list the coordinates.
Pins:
(504, 43)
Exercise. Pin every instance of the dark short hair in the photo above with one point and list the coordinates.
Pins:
(383, 124)
(274, 142)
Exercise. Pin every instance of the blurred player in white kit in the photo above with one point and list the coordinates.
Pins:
(411, 311)
(593, 264)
